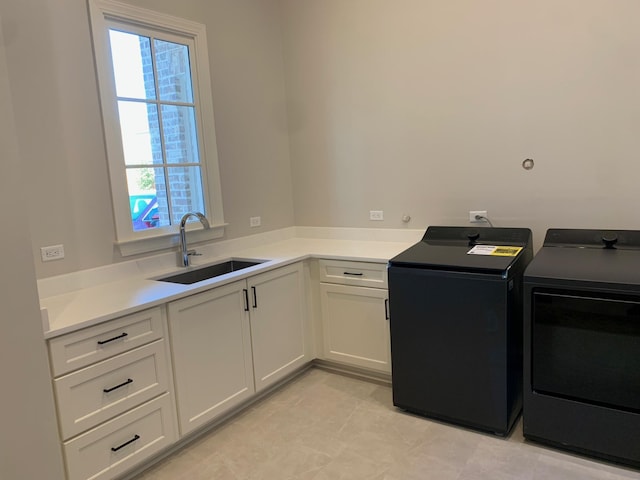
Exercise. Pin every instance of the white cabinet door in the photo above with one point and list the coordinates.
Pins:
(355, 326)
(211, 344)
(277, 324)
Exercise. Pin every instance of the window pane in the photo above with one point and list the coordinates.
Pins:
(132, 66)
(185, 185)
(174, 73)
(140, 133)
(180, 137)
(147, 209)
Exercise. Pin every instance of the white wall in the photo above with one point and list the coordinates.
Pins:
(428, 107)
(60, 134)
(29, 447)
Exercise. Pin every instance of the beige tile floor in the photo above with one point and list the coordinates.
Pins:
(326, 426)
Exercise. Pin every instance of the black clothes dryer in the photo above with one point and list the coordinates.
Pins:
(582, 343)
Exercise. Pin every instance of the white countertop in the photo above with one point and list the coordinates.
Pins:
(82, 299)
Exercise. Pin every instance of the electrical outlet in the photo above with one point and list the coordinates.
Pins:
(53, 252)
(473, 214)
(255, 221)
(376, 215)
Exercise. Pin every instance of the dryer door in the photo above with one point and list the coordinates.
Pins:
(586, 347)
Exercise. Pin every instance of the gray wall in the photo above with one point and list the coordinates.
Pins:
(428, 107)
(29, 447)
(327, 109)
(60, 134)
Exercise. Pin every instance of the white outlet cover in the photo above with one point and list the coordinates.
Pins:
(376, 215)
(52, 252)
(473, 213)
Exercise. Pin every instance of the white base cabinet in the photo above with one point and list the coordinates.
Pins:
(234, 340)
(114, 384)
(113, 388)
(355, 325)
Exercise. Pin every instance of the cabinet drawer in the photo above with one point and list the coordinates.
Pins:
(79, 349)
(102, 391)
(354, 273)
(114, 447)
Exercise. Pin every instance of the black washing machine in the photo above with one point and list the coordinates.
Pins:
(455, 302)
(582, 343)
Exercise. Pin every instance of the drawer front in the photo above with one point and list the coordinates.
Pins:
(363, 274)
(102, 391)
(116, 446)
(84, 347)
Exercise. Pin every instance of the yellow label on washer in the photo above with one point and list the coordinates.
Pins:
(494, 250)
(506, 251)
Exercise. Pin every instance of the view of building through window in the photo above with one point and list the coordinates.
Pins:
(158, 126)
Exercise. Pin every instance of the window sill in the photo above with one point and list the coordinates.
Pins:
(170, 240)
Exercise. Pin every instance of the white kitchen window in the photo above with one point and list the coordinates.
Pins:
(155, 92)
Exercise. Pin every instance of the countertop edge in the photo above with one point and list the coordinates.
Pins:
(137, 290)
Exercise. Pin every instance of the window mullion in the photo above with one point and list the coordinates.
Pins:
(158, 165)
(163, 150)
(164, 102)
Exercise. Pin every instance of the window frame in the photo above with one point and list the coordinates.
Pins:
(103, 15)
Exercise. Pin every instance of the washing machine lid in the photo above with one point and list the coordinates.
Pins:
(478, 250)
(586, 255)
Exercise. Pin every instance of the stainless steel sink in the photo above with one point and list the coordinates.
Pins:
(210, 271)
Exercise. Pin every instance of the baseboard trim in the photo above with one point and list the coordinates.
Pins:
(355, 372)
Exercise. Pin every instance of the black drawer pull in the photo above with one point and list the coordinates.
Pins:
(115, 449)
(102, 342)
(353, 274)
(255, 298)
(386, 309)
(108, 390)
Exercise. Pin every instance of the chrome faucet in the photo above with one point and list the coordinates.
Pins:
(183, 236)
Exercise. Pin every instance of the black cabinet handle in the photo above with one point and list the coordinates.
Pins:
(109, 390)
(246, 299)
(353, 274)
(115, 449)
(386, 309)
(102, 342)
(255, 298)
